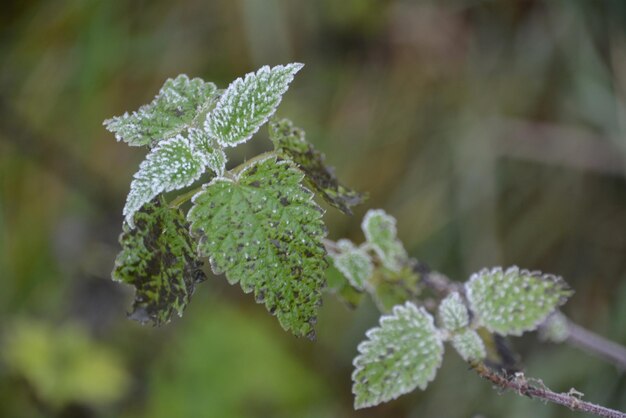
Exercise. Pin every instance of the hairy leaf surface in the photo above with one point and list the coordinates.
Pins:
(264, 231)
(380, 230)
(171, 165)
(353, 262)
(158, 258)
(469, 345)
(248, 102)
(179, 101)
(290, 143)
(453, 312)
(400, 355)
(513, 301)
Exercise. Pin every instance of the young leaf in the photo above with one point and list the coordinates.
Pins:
(353, 262)
(264, 231)
(248, 103)
(400, 355)
(555, 329)
(453, 313)
(179, 101)
(171, 165)
(290, 143)
(514, 301)
(380, 231)
(469, 345)
(158, 258)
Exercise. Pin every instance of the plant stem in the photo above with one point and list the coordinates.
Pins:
(536, 389)
(596, 345)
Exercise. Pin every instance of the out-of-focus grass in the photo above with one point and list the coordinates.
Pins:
(492, 130)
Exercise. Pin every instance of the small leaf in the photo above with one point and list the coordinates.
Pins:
(157, 258)
(290, 143)
(171, 165)
(514, 301)
(453, 313)
(264, 231)
(469, 345)
(400, 355)
(353, 262)
(248, 103)
(380, 231)
(179, 101)
(555, 329)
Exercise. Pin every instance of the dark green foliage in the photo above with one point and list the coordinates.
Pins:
(158, 258)
(290, 143)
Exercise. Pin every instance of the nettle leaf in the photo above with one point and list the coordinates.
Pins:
(514, 301)
(263, 230)
(400, 355)
(353, 262)
(380, 231)
(158, 258)
(469, 345)
(179, 101)
(248, 103)
(453, 312)
(555, 329)
(290, 143)
(171, 165)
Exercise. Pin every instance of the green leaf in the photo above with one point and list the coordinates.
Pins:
(514, 301)
(178, 103)
(248, 102)
(469, 345)
(453, 313)
(353, 262)
(290, 143)
(171, 165)
(555, 329)
(158, 258)
(400, 355)
(263, 230)
(380, 231)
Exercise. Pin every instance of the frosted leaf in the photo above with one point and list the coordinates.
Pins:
(290, 143)
(400, 355)
(248, 102)
(207, 151)
(265, 232)
(469, 345)
(179, 101)
(555, 328)
(380, 231)
(514, 301)
(353, 262)
(453, 313)
(171, 165)
(158, 258)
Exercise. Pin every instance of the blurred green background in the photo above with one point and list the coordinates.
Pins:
(493, 130)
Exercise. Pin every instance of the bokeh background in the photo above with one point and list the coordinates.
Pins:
(493, 130)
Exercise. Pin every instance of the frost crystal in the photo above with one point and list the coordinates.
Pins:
(400, 355)
(354, 263)
(248, 103)
(380, 231)
(171, 165)
(290, 143)
(179, 101)
(265, 232)
(514, 301)
(469, 345)
(453, 313)
(158, 258)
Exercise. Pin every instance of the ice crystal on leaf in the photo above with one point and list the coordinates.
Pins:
(248, 103)
(265, 232)
(173, 110)
(380, 231)
(400, 355)
(171, 165)
(469, 345)
(453, 313)
(353, 262)
(290, 143)
(513, 301)
(158, 258)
